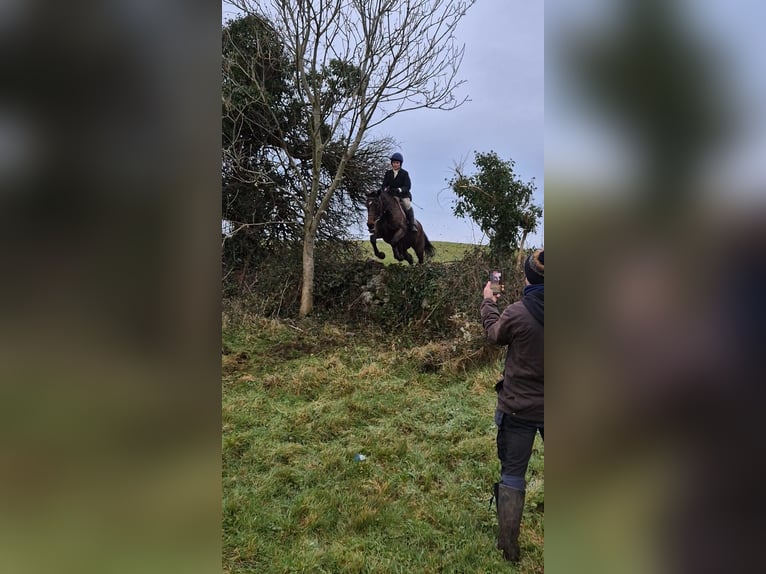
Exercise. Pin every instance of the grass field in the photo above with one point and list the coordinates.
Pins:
(301, 401)
(445, 251)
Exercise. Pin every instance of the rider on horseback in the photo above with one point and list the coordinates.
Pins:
(397, 180)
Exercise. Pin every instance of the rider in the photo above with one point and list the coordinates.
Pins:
(397, 180)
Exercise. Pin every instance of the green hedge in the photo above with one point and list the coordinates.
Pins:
(420, 302)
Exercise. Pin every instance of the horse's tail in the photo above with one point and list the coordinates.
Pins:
(430, 250)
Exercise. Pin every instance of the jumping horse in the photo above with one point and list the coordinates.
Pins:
(386, 220)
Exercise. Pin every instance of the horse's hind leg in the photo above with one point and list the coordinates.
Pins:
(418, 251)
(408, 257)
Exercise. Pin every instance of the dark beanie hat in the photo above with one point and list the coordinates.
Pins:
(534, 267)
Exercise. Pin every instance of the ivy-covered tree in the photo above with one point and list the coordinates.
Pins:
(498, 201)
(262, 116)
(253, 197)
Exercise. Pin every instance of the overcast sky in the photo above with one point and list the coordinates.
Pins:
(590, 148)
(504, 70)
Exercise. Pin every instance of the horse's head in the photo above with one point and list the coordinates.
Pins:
(374, 210)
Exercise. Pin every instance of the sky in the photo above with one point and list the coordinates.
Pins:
(503, 69)
(589, 147)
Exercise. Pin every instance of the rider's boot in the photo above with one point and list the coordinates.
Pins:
(410, 220)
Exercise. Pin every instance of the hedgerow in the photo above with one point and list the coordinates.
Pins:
(429, 302)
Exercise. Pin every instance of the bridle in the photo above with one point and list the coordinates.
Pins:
(377, 200)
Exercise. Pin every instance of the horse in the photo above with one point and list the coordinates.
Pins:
(386, 220)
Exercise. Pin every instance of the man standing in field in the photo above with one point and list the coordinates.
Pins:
(519, 414)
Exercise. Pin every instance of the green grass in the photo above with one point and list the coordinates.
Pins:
(445, 251)
(300, 401)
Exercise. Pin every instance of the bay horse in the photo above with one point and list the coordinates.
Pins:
(386, 220)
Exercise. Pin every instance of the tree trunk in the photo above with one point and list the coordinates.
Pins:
(520, 252)
(307, 288)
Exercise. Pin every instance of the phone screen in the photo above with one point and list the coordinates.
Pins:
(496, 281)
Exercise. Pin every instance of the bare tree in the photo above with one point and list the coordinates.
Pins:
(356, 64)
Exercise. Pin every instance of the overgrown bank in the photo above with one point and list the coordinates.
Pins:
(433, 301)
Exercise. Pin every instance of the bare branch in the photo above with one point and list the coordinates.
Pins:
(242, 226)
(355, 64)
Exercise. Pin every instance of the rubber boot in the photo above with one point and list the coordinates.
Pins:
(410, 220)
(510, 505)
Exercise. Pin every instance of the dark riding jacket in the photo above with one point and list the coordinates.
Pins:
(402, 180)
(520, 393)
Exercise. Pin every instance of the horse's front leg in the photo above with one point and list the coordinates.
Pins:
(373, 240)
(406, 256)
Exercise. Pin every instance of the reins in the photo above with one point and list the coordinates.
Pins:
(384, 207)
(379, 200)
(394, 200)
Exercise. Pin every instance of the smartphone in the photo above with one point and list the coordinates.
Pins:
(496, 281)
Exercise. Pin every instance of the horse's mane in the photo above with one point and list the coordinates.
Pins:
(392, 205)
